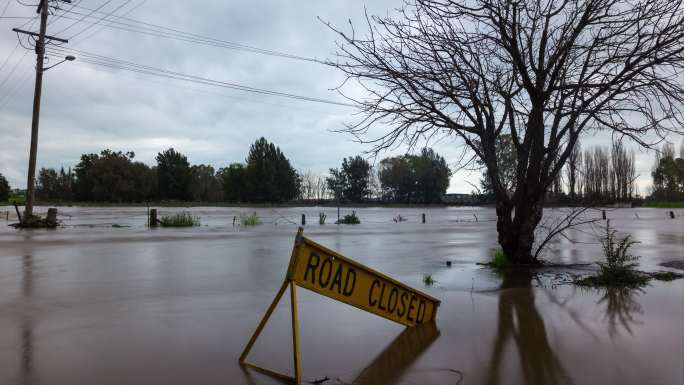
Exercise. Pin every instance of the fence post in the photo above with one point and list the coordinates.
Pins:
(423, 217)
(303, 219)
(153, 218)
(51, 216)
(672, 216)
(604, 214)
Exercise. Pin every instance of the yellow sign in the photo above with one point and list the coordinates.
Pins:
(326, 272)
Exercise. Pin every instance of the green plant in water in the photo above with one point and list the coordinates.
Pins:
(321, 218)
(499, 260)
(249, 219)
(619, 268)
(183, 219)
(428, 280)
(349, 219)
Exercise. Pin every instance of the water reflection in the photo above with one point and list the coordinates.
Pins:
(27, 322)
(390, 364)
(520, 323)
(621, 307)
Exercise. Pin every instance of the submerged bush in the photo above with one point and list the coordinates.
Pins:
(499, 260)
(619, 267)
(183, 219)
(249, 219)
(349, 219)
(321, 218)
(428, 280)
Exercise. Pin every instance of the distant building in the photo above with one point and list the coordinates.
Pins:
(461, 199)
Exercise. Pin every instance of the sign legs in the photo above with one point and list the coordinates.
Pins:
(295, 335)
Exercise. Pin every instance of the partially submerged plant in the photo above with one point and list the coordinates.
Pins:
(499, 260)
(619, 267)
(321, 218)
(183, 219)
(428, 280)
(349, 219)
(249, 219)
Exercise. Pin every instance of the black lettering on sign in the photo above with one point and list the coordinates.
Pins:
(323, 278)
(382, 296)
(402, 304)
(311, 265)
(371, 301)
(392, 302)
(421, 312)
(337, 280)
(349, 289)
(410, 308)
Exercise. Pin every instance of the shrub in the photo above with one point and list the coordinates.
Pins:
(321, 218)
(619, 267)
(499, 260)
(249, 219)
(349, 219)
(183, 219)
(428, 280)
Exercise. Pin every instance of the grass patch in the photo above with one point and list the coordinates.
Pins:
(183, 219)
(428, 280)
(499, 260)
(349, 219)
(664, 205)
(16, 200)
(666, 276)
(249, 219)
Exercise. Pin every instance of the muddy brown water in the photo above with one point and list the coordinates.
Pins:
(93, 304)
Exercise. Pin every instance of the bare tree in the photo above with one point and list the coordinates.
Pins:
(545, 72)
(574, 163)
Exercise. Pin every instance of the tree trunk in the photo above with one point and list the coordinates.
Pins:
(516, 235)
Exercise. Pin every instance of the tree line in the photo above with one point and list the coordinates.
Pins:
(668, 174)
(599, 174)
(266, 176)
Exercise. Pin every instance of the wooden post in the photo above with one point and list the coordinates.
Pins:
(18, 213)
(672, 216)
(604, 214)
(295, 334)
(51, 219)
(303, 219)
(423, 217)
(153, 218)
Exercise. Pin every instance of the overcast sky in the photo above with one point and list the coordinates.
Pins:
(87, 108)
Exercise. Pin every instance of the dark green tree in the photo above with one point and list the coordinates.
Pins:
(397, 179)
(205, 186)
(113, 177)
(173, 175)
(336, 182)
(356, 174)
(4, 188)
(269, 175)
(234, 183)
(432, 176)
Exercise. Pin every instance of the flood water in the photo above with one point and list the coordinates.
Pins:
(94, 304)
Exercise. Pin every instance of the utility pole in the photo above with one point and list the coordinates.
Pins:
(43, 9)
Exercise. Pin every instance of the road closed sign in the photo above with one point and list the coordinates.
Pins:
(326, 272)
(321, 270)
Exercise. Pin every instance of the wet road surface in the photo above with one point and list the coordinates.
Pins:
(89, 303)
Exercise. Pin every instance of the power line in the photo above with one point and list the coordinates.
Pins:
(156, 30)
(5, 9)
(110, 62)
(80, 20)
(100, 19)
(4, 101)
(140, 4)
(13, 69)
